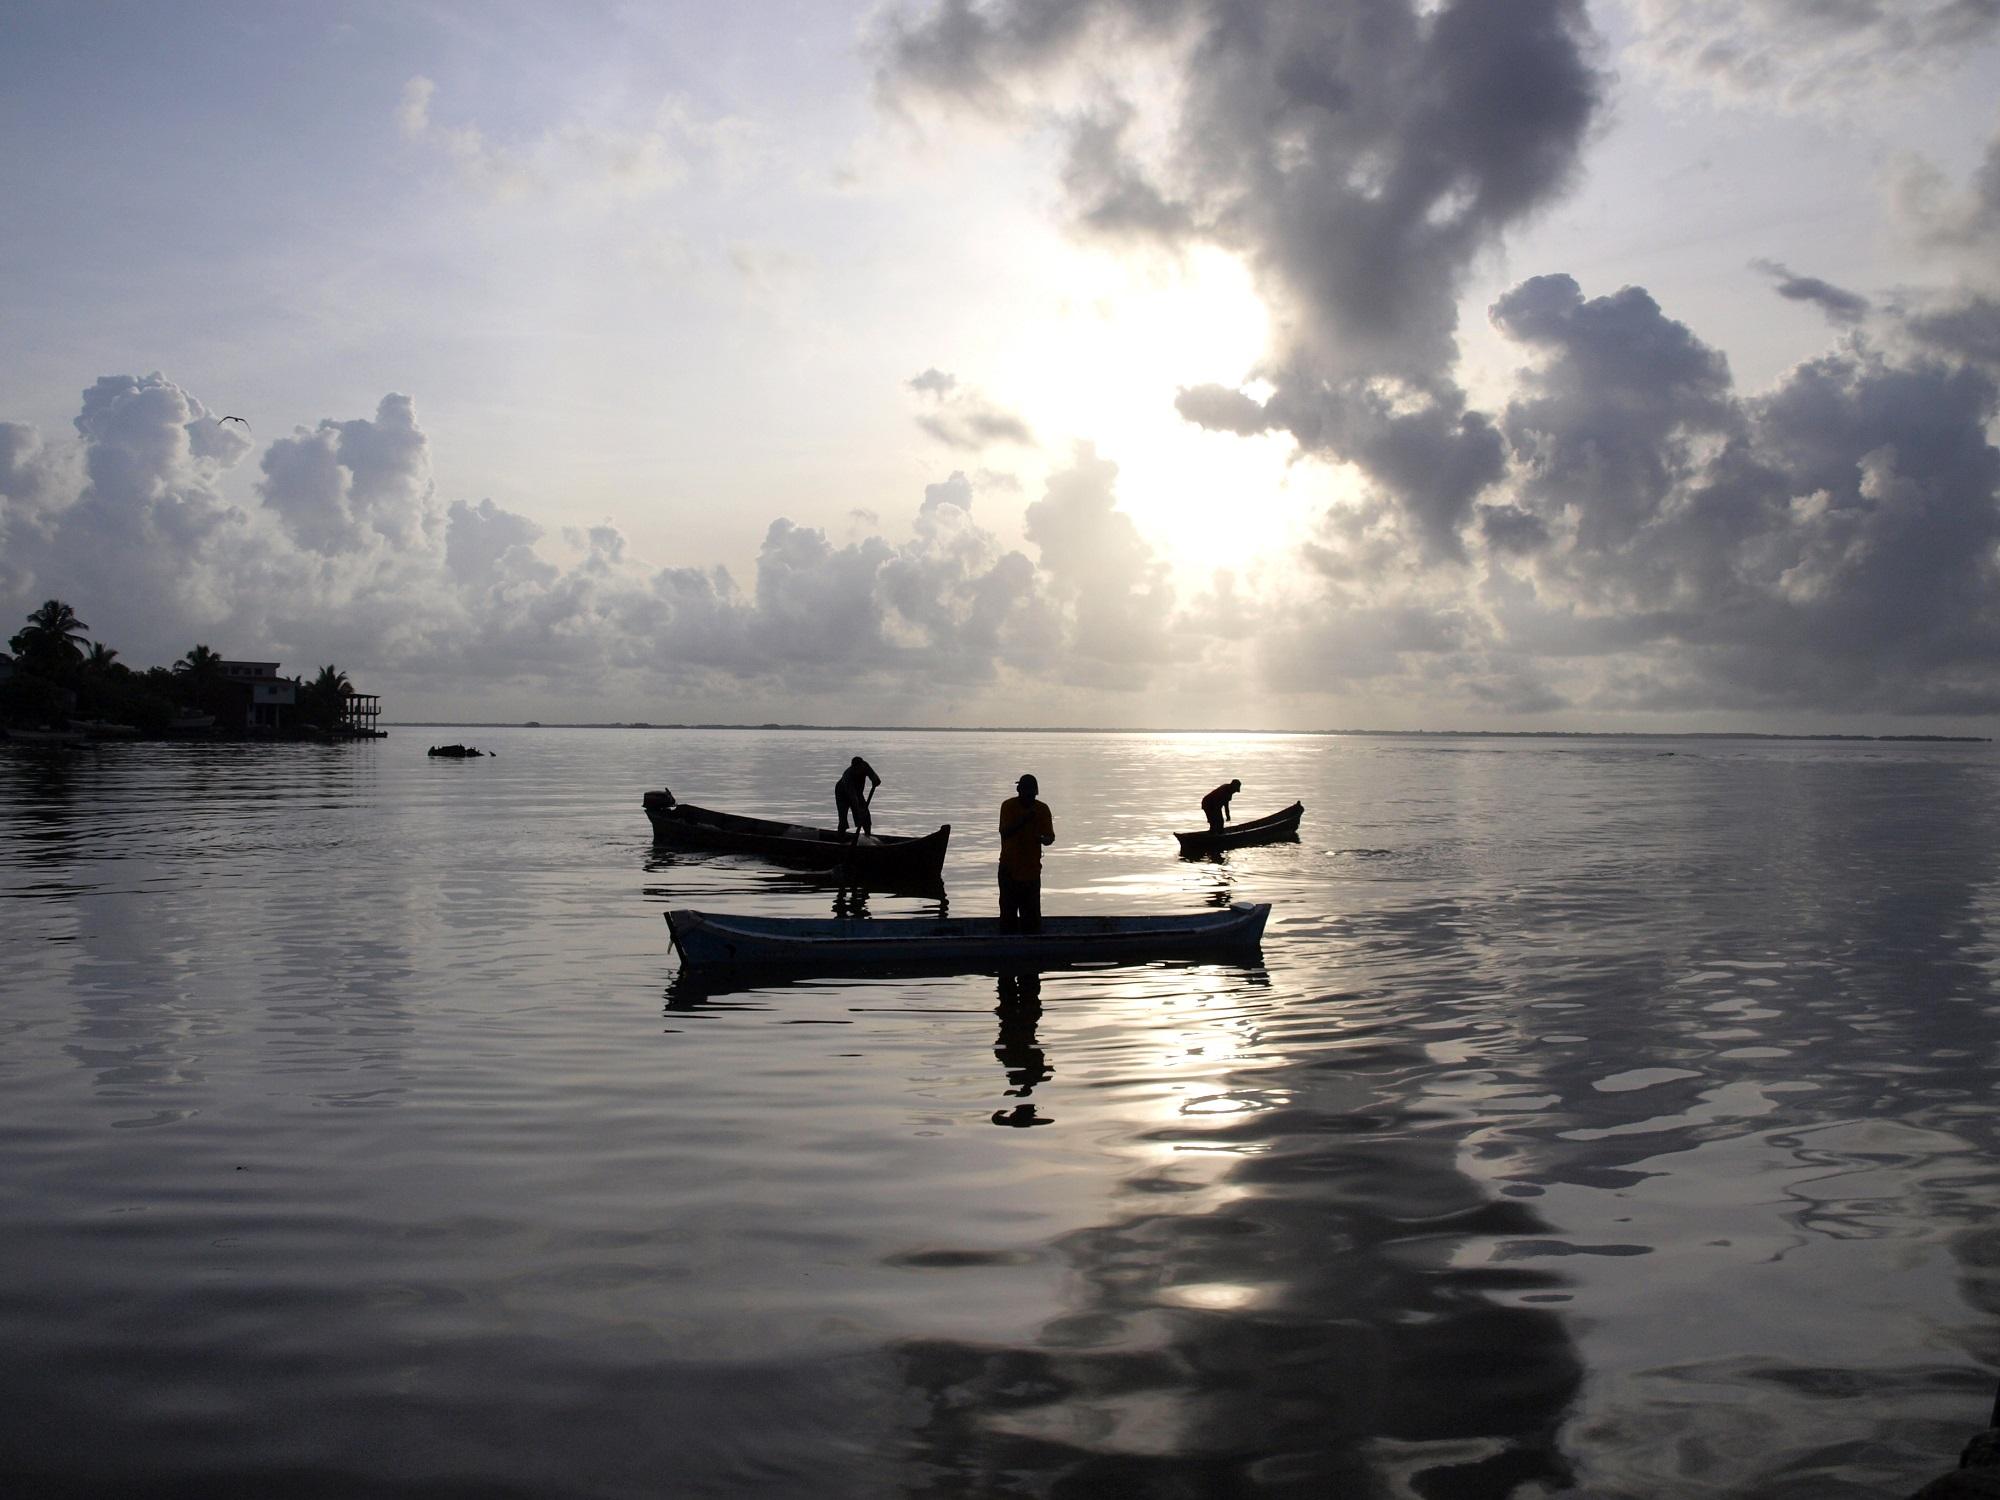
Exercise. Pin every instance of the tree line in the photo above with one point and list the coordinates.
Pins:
(61, 674)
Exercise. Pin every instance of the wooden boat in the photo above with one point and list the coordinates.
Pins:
(890, 860)
(1272, 829)
(927, 943)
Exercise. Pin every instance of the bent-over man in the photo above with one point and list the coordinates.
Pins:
(852, 794)
(1216, 804)
(1025, 827)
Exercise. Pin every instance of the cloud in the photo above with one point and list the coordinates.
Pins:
(348, 555)
(961, 418)
(1629, 530)
(487, 546)
(1660, 542)
(1959, 224)
(1957, 227)
(1840, 306)
(1113, 584)
(1606, 427)
(1965, 327)
(36, 482)
(1358, 158)
(585, 155)
(1797, 54)
(1831, 543)
(354, 486)
(1650, 540)
(954, 491)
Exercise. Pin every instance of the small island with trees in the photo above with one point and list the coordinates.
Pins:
(61, 687)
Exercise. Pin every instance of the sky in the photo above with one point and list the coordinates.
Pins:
(1629, 365)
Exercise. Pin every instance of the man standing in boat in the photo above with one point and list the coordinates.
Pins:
(1025, 826)
(1216, 804)
(853, 792)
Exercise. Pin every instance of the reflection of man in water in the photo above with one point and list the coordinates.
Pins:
(1019, 1009)
(1216, 804)
(1025, 826)
(852, 794)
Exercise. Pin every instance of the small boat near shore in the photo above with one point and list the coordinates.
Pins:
(887, 860)
(456, 752)
(1271, 829)
(958, 943)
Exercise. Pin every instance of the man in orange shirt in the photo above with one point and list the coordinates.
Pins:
(1025, 826)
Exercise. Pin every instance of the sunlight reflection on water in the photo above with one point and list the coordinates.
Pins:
(1596, 1121)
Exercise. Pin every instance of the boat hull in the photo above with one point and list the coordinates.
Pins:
(961, 943)
(1272, 829)
(891, 860)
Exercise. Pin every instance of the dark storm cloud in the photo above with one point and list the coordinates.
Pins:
(1358, 156)
(1829, 544)
(1839, 305)
(1967, 327)
(1510, 529)
(1663, 543)
(1603, 428)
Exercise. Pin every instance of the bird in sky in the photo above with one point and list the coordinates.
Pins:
(220, 420)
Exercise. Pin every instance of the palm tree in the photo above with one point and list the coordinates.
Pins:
(326, 696)
(53, 639)
(98, 662)
(199, 671)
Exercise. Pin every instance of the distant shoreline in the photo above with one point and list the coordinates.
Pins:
(1436, 734)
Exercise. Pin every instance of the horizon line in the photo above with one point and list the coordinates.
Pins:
(1570, 734)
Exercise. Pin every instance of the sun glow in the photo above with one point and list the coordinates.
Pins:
(1117, 343)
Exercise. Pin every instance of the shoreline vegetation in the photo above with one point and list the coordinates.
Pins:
(1437, 734)
(62, 688)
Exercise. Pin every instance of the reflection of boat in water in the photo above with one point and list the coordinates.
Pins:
(1270, 829)
(455, 752)
(928, 943)
(885, 860)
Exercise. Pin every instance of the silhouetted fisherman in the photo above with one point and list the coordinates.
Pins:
(1216, 804)
(1025, 826)
(852, 794)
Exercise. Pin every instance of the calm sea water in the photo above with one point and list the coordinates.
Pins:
(1608, 1118)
